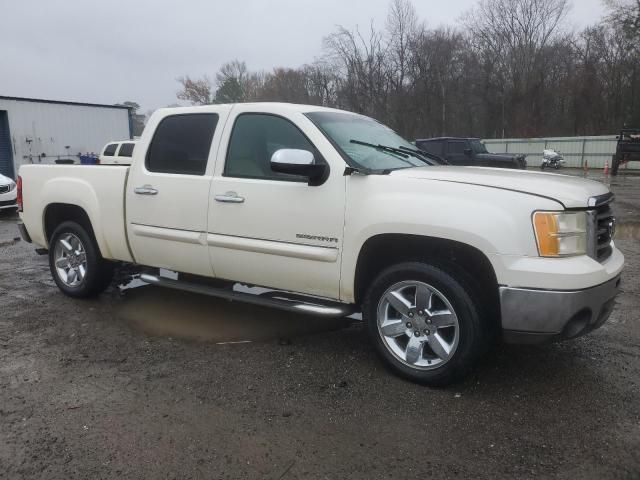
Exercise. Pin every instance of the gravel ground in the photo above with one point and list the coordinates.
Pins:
(100, 389)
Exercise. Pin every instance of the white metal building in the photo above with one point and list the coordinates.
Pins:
(43, 131)
(593, 152)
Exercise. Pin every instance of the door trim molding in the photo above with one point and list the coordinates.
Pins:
(270, 247)
(171, 234)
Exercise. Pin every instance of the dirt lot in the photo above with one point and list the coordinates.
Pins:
(139, 386)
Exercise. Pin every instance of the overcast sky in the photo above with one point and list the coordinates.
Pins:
(115, 50)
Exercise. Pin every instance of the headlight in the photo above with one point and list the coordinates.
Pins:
(12, 186)
(560, 234)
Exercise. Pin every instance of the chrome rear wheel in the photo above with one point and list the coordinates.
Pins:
(70, 260)
(75, 261)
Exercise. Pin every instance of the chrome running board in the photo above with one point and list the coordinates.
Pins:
(281, 300)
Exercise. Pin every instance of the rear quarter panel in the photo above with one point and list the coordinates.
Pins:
(98, 190)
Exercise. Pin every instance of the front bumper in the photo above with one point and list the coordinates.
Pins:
(8, 204)
(9, 200)
(538, 316)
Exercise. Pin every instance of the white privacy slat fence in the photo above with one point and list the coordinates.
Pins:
(577, 151)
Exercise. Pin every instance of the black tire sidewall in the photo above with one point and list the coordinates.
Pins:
(471, 340)
(93, 280)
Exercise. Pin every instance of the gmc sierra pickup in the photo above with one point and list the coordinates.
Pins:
(335, 213)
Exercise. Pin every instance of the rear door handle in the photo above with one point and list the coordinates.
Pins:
(146, 190)
(229, 197)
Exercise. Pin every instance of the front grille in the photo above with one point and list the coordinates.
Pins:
(7, 202)
(602, 229)
(4, 188)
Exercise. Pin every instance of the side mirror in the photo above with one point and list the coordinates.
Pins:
(299, 162)
(468, 151)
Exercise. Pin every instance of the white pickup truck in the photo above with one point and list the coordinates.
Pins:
(335, 213)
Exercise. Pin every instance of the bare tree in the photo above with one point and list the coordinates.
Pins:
(195, 91)
(364, 71)
(625, 15)
(514, 70)
(402, 30)
(515, 35)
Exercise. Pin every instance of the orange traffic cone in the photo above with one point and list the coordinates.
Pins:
(606, 168)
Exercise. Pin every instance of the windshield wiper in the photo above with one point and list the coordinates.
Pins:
(394, 152)
(384, 148)
(404, 152)
(420, 155)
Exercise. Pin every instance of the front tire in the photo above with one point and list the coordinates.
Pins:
(424, 322)
(75, 262)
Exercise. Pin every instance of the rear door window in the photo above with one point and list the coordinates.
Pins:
(457, 147)
(126, 150)
(181, 144)
(110, 150)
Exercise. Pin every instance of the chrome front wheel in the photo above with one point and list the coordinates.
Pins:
(426, 321)
(418, 325)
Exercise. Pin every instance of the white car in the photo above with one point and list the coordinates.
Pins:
(117, 153)
(336, 214)
(8, 193)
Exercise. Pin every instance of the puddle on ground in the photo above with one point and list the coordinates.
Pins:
(627, 231)
(165, 312)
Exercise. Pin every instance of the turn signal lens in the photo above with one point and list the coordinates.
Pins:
(560, 234)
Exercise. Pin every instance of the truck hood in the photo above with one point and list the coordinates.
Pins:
(572, 192)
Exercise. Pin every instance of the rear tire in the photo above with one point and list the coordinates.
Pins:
(425, 323)
(75, 262)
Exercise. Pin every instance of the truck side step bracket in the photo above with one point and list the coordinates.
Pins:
(281, 300)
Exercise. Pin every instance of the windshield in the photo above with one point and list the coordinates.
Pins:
(345, 128)
(478, 147)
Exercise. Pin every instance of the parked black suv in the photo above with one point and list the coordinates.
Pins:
(469, 152)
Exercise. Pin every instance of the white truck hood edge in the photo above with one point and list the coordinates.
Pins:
(572, 192)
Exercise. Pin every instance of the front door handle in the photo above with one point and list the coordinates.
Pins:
(229, 197)
(146, 190)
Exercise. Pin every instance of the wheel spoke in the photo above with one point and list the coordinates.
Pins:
(424, 298)
(62, 263)
(397, 301)
(443, 319)
(439, 346)
(413, 353)
(81, 272)
(71, 276)
(66, 245)
(393, 328)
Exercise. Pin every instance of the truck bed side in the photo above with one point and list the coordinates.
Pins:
(97, 190)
